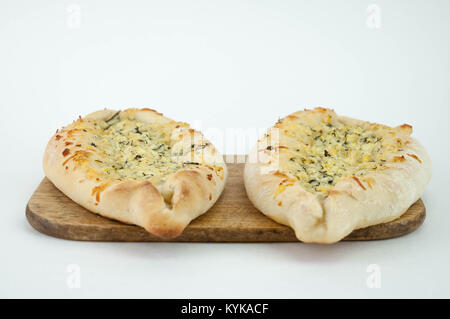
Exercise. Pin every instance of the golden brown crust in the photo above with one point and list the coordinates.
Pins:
(71, 162)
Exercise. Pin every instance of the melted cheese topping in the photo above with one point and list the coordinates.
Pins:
(320, 153)
(130, 149)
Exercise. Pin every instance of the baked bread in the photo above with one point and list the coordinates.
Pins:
(138, 167)
(325, 175)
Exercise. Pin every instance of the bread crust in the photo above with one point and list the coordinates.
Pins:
(163, 209)
(352, 203)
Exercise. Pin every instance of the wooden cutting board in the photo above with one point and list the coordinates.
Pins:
(232, 219)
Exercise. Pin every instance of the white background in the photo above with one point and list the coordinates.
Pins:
(228, 64)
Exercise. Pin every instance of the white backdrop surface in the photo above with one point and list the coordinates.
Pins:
(221, 65)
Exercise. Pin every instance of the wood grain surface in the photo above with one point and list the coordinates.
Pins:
(232, 219)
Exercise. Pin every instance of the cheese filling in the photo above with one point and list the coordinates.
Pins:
(130, 149)
(320, 155)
